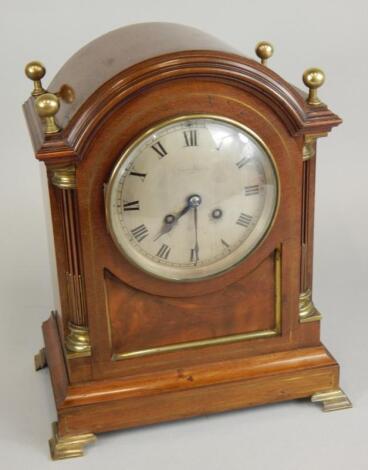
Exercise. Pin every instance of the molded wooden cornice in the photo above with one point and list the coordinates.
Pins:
(287, 101)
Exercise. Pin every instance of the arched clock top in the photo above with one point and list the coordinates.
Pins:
(112, 68)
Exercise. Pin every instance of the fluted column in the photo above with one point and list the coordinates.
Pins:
(77, 341)
(307, 310)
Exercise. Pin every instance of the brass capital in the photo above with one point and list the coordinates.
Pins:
(309, 150)
(308, 147)
(64, 178)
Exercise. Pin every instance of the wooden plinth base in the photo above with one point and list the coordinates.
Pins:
(98, 406)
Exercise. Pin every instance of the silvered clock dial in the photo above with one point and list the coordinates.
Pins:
(192, 197)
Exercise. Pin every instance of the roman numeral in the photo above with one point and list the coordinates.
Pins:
(252, 190)
(163, 252)
(191, 138)
(244, 220)
(159, 149)
(131, 206)
(242, 162)
(140, 175)
(225, 244)
(140, 232)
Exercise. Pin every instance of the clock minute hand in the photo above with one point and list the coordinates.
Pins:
(196, 246)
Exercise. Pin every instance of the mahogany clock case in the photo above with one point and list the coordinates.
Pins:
(161, 350)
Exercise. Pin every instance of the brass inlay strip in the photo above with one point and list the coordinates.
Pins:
(223, 339)
(278, 290)
(195, 344)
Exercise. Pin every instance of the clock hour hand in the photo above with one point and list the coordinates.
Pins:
(182, 212)
(170, 220)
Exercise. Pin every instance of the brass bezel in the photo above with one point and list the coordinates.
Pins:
(108, 188)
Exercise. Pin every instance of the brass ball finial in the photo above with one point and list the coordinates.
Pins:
(313, 78)
(47, 105)
(35, 71)
(264, 51)
(66, 94)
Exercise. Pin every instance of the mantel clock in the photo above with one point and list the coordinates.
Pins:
(181, 181)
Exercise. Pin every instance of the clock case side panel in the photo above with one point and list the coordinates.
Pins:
(94, 170)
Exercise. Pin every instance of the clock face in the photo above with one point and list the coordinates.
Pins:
(192, 198)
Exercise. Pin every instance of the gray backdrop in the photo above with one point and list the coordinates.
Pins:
(290, 436)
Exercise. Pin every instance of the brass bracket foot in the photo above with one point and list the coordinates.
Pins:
(40, 360)
(332, 400)
(68, 447)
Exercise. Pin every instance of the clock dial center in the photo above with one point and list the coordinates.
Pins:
(195, 200)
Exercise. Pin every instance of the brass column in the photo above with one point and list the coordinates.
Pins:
(307, 310)
(313, 78)
(77, 341)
